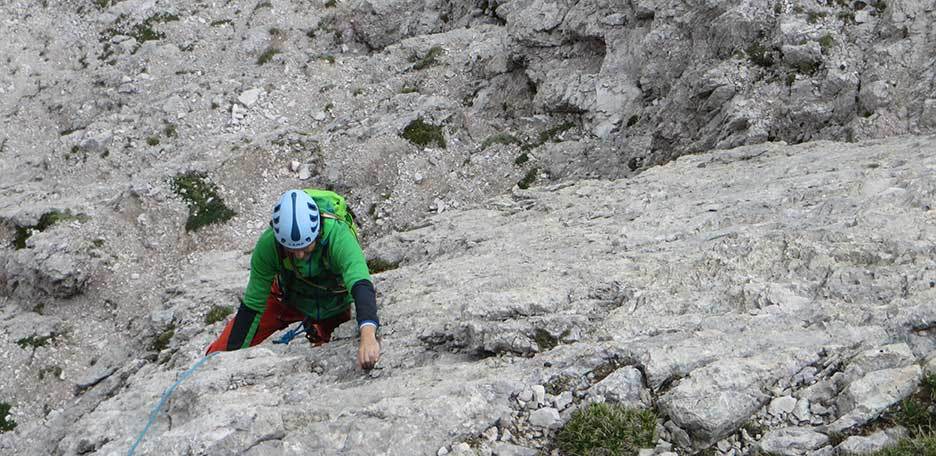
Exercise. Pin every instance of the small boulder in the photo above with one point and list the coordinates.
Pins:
(792, 441)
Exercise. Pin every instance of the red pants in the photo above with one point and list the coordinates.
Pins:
(278, 316)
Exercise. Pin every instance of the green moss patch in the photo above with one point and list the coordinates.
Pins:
(505, 139)
(162, 340)
(377, 265)
(267, 55)
(759, 55)
(145, 32)
(603, 429)
(550, 134)
(217, 313)
(35, 341)
(429, 59)
(45, 221)
(6, 424)
(528, 179)
(201, 197)
(422, 134)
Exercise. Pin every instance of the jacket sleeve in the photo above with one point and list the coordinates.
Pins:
(263, 268)
(347, 259)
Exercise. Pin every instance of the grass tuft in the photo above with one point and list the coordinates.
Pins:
(422, 134)
(500, 138)
(162, 340)
(152, 140)
(607, 429)
(267, 55)
(376, 265)
(217, 313)
(45, 221)
(528, 179)
(429, 59)
(201, 197)
(759, 55)
(6, 424)
(35, 342)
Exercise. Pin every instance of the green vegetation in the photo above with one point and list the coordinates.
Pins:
(35, 342)
(53, 371)
(101, 3)
(500, 138)
(560, 384)
(328, 58)
(551, 133)
(921, 446)
(548, 135)
(45, 221)
(422, 134)
(328, 106)
(826, 42)
(917, 414)
(759, 55)
(6, 424)
(221, 22)
(267, 55)
(429, 59)
(152, 140)
(162, 340)
(815, 16)
(144, 31)
(808, 68)
(170, 131)
(790, 78)
(217, 313)
(357, 92)
(201, 197)
(331, 3)
(377, 265)
(409, 89)
(528, 179)
(263, 4)
(602, 429)
(847, 16)
(633, 120)
(544, 339)
(521, 159)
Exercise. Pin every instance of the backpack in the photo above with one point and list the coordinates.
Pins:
(332, 205)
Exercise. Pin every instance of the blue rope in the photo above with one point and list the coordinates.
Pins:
(290, 335)
(165, 397)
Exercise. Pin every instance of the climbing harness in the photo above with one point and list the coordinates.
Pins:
(165, 397)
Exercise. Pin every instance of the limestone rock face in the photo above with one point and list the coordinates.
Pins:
(499, 284)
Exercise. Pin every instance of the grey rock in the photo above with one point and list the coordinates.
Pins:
(867, 397)
(539, 394)
(858, 445)
(801, 410)
(508, 449)
(680, 436)
(546, 417)
(782, 406)
(623, 386)
(791, 441)
(726, 393)
(250, 97)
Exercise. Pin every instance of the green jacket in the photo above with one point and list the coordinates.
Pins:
(337, 262)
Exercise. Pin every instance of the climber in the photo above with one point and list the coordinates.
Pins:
(307, 266)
